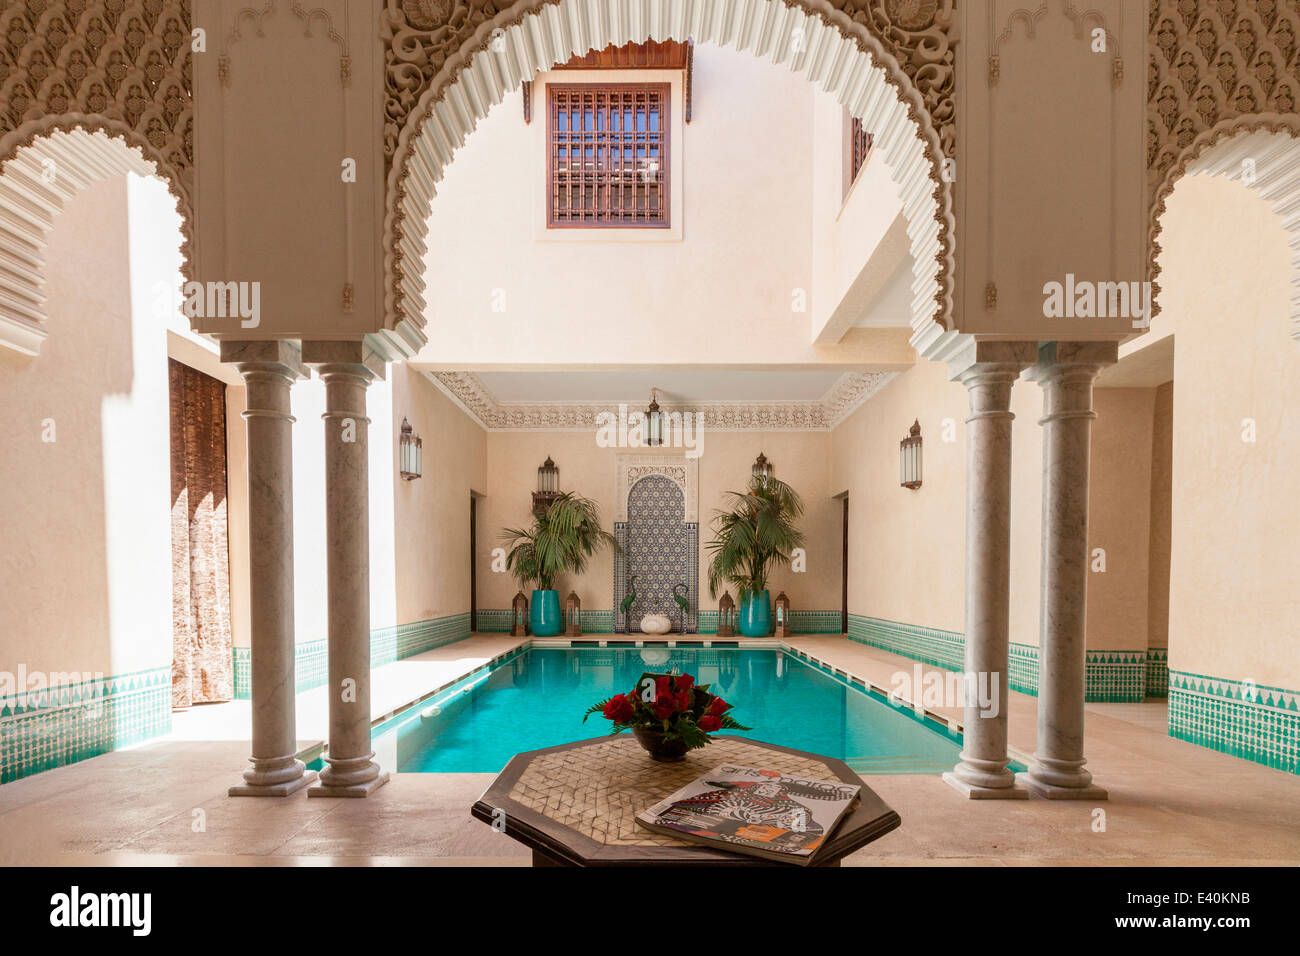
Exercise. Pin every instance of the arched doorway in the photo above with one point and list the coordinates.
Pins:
(437, 96)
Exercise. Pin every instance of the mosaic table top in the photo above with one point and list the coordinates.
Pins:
(577, 803)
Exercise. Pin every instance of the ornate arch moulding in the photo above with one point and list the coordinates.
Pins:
(476, 60)
(681, 471)
(43, 164)
(1272, 141)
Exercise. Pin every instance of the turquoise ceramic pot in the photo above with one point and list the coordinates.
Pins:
(756, 614)
(544, 618)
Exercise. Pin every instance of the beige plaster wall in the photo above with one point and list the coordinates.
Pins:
(431, 539)
(86, 564)
(907, 548)
(1119, 504)
(1162, 451)
(800, 458)
(1234, 608)
(737, 252)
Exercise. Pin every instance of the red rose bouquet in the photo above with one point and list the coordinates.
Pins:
(671, 705)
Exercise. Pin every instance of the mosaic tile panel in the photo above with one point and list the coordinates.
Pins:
(76, 721)
(708, 622)
(815, 622)
(387, 644)
(1256, 723)
(1157, 672)
(661, 550)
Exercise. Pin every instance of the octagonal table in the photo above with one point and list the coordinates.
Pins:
(576, 804)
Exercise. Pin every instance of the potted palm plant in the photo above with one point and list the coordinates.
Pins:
(757, 533)
(563, 537)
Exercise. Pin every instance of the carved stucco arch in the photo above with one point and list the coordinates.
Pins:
(43, 164)
(1272, 142)
(835, 51)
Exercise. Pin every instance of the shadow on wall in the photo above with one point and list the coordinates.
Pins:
(85, 469)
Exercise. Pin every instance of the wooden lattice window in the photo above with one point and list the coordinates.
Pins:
(608, 155)
(860, 145)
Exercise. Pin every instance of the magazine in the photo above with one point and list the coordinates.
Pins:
(754, 811)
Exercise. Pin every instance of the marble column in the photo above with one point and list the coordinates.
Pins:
(1066, 371)
(269, 369)
(988, 370)
(347, 371)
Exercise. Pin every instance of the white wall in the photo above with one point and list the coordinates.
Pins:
(725, 290)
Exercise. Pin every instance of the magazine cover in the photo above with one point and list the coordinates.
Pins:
(751, 810)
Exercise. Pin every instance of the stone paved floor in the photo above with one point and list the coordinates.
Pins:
(1171, 802)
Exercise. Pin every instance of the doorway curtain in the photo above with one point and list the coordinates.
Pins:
(202, 669)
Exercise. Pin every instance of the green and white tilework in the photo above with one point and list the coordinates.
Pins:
(76, 721)
(1236, 717)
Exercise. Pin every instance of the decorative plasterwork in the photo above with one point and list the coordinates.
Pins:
(1271, 144)
(118, 69)
(450, 61)
(682, 471)
(1218, 70)
(1213, 61)
(844, 398)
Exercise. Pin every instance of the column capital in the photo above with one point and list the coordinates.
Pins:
(1073, 359)
(350, 358)
(982, 357)
(277, 356)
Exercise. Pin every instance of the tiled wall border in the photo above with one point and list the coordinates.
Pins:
(1114, 676)
(387, 644)
(497, 621)
(1261, 724)
(77, 721)
(1157, 672)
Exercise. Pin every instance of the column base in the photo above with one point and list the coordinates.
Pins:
(351, 790)
(273, 789)
(972, 792)
(1049, 792)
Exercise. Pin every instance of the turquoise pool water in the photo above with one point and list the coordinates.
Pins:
(536, 699)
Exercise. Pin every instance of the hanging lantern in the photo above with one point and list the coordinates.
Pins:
(411, 453)
(573, 615)
(782, 615)
(726, 616)
(654, 420)
(548, 486)
(548, 477)
(519, 615)
(909, 458)
(762, 467)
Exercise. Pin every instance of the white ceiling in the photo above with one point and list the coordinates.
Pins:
(683, 386)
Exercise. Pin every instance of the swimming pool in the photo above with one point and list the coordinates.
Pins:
(536, 699)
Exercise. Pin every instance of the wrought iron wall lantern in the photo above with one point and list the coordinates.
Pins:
(411, 452)
(909, 458)
(762, 467)
(654, 421)
(548, 485)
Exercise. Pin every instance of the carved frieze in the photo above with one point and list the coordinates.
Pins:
(842, 400)
(125, 60)
(421, 35)
(1214, 60)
